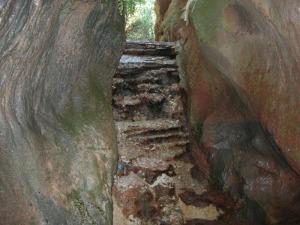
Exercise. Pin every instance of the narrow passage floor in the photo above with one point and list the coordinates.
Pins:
(154, 183)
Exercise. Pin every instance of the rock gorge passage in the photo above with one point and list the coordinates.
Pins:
(223, 150)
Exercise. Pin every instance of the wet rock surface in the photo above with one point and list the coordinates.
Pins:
(58, 147)
(240, 60)
(154, 177)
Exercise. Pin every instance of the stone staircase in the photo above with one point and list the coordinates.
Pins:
(154, 180)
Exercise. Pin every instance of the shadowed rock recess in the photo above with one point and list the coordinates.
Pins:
(58, 148)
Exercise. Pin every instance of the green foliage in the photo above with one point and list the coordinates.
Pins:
(128, 7)
(140, 24)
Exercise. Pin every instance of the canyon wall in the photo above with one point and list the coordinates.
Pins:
(58, 150)
(240, 61)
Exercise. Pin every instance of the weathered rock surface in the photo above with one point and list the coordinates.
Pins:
(58, 147)
(241, 63)
(160, 8)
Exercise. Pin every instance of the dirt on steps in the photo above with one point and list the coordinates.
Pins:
(154, 182)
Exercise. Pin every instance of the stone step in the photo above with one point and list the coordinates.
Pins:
(148, 73)
(137, 64)
(147, 88)
(150, 48)
(152, 138)
(142, 127)
(147, 92)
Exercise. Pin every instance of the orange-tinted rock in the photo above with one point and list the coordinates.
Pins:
(241, 64)
(257, 53)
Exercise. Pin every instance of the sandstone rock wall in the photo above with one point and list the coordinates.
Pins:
(241, 64)
(57, 138)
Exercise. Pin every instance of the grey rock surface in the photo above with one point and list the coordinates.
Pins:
(58, 148)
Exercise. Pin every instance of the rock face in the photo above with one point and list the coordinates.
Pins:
(241, 63)
(160, 8)
(58, 148)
